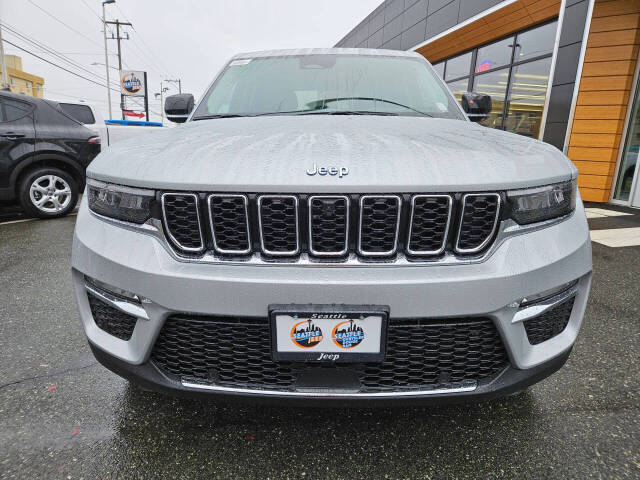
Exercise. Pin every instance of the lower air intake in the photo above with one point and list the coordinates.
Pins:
(421, 354)
(549, 324)
(111, 320)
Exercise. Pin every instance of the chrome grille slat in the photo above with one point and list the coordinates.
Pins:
(437, 231)
(226, 217)
(478, 222)
(179, 212)
(275, 246)
(378, 221)
(340, 236)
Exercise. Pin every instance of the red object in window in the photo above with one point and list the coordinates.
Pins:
(484, 67)
(131, 113)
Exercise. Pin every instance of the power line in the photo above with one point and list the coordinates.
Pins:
(162, 70)
(92, 10)
(62, 22)
(50, 51)
(59, 66)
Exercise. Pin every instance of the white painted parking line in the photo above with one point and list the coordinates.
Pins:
(594, 215)
(617, 237)
(18, 221)
(601, 212)
(72, 214)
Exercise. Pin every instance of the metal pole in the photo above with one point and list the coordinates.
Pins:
(161, 105)
(146, 96)
(120, 64)
(179, 86)
(106, 57)
(5, 77)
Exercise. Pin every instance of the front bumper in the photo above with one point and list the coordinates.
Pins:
(512, 380)
(522, 265)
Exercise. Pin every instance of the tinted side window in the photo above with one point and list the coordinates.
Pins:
(11, 110)
(81, 113)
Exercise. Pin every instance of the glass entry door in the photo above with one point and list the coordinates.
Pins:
(627, 190)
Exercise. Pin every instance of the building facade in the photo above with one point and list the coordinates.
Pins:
(562, 71)
(20, 81)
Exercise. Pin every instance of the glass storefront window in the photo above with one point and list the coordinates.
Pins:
(515, 72)
(536, 42)
(494, 84)
(459, 66)
(629, 159)
(439, 68)
(494, 56)
(458, 87)
(526, 100)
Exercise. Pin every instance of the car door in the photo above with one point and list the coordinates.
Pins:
(17, 135)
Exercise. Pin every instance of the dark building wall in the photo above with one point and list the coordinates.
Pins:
(564, 78)
(402, 24)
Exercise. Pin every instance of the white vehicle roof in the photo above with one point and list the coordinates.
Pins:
(326, 51)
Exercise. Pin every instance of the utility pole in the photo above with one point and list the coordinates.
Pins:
(5, 77)
(161, 94)
(106, 52)
(117, 37)
(178, 81)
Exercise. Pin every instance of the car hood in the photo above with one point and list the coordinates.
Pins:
(381, 153)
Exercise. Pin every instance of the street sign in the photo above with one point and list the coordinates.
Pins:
(132, 83)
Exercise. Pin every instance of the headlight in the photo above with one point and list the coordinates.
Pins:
(119, 202)
(542, 203)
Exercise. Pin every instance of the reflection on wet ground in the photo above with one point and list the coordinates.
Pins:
(64, 416)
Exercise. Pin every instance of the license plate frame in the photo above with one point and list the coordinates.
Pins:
(344, 349)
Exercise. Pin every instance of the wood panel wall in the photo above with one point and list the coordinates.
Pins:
(510, 19)
(603, 98)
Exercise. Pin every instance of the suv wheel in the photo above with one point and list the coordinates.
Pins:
(48, 193)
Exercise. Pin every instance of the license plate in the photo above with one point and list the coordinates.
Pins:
(332, 333)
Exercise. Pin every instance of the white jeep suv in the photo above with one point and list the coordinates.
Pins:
(328, 226)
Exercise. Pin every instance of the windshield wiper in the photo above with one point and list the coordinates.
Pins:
(319, 104)
(236, 115)
(220, 115)
(356, 112)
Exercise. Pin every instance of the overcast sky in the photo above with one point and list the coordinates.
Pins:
(189, 39)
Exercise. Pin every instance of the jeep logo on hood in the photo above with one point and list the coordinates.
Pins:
(333, 171)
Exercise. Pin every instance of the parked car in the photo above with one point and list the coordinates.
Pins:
(43, 155)
(110, 131)
(329, 226)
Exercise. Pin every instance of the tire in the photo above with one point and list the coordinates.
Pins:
(48, 192)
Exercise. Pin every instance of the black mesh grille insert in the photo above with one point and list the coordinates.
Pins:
(429, 224)
(478, 220)
(279, 218)
(420, 354)
(549, 324)
(182, 220)
(379, 225)
(229, 223)
(110, 319)
(329, 225)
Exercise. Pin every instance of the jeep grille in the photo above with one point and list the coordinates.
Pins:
(331, 227)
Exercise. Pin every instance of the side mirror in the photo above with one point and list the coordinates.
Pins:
(179, 107)
(477, 105)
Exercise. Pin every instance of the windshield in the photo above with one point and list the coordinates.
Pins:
(328, 84)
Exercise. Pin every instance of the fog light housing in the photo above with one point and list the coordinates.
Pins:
(115, 291)
(545, 295)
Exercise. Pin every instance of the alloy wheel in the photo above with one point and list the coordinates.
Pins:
(50, 193)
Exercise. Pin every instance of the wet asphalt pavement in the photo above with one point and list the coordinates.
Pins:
(64, 416)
